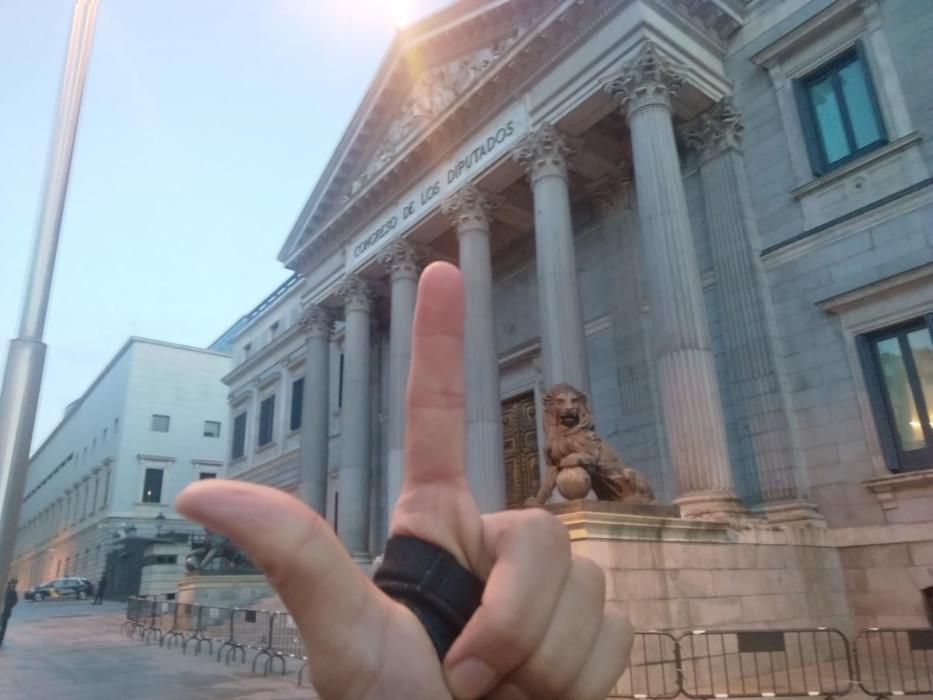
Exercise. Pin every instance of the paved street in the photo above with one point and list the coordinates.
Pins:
(74, 651)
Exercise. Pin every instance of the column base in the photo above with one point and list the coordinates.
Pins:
(715, 506)
(803, 513)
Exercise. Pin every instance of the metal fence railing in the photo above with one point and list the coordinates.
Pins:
(813, 662)
(765, 663)
(894, 662)
(654, 668)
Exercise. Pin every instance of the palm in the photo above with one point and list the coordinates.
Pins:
(540, 631)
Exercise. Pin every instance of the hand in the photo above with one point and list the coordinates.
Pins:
(541, 630)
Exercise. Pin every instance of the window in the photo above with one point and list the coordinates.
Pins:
(212, 428)
(298, 390)
(160, 423)
(152, 486)
(340, 384)
(239, 436)
(839, 112)
(206, 475)
(899, 372)
(106, 490)
(103, 438)
(266, 416)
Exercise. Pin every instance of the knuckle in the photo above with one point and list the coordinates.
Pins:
(546, 532)
(512, 639)
(592, 578)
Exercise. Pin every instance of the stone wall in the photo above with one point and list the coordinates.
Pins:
(675, 575)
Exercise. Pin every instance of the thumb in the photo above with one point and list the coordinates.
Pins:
(299, 554)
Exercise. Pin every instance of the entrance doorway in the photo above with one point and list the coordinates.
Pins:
(520, 442)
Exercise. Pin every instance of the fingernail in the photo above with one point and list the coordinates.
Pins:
(470, 679)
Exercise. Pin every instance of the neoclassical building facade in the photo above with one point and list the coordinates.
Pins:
(714, 217)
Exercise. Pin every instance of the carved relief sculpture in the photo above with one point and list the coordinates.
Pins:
(432, 93)
(578, 459)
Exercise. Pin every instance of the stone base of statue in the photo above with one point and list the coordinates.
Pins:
(671, 573)
(228, 590)
(678, 575)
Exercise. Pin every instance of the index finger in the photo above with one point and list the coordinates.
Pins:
(434, 451)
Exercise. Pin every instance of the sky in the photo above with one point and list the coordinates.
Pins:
(204, 126)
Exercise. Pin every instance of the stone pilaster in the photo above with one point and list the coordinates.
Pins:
(403, 261)
(543, 154)
(316, 323)
(690, 400)
(748, 325)
(355, 419)
(469, 209)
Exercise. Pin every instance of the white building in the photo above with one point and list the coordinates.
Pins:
(153, 421)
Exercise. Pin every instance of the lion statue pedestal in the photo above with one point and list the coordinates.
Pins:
(577, 457)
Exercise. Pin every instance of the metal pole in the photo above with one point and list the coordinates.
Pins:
(26, 356)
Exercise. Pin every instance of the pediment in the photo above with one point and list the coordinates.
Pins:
(426, 72)
(430, 93)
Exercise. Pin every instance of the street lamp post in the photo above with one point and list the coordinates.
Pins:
(26, 356)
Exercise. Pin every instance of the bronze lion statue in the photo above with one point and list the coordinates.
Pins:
(571, 442)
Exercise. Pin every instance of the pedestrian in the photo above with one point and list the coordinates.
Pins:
(101, 587)
(10, 599)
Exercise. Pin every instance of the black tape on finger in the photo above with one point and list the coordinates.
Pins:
(431, 583)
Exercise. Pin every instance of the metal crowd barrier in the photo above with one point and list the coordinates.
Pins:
(182, 625)
(134, 612)
(765, 663)
(286, 642)
(894, 662)
(704, 664)
(654, 668)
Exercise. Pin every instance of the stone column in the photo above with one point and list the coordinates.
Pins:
(353, 523)
(316, 322)
(690, 401)
(469, 209)
(543, 154)
(402, 259)
(748, 324)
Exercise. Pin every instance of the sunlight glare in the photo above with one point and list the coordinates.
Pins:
(403, 13)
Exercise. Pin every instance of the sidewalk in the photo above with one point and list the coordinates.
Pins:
(74, 651)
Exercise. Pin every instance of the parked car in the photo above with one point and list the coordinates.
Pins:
(65, 587)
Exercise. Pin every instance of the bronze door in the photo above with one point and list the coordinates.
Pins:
(520, 438)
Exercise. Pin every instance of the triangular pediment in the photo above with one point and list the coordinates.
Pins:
(428, 72)
(431, 93)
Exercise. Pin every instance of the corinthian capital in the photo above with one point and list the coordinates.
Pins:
(316, 321)
(356, 293)
(469, 207)
(402, 258)
(648, 80)
(545, 152)
(716, 130)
